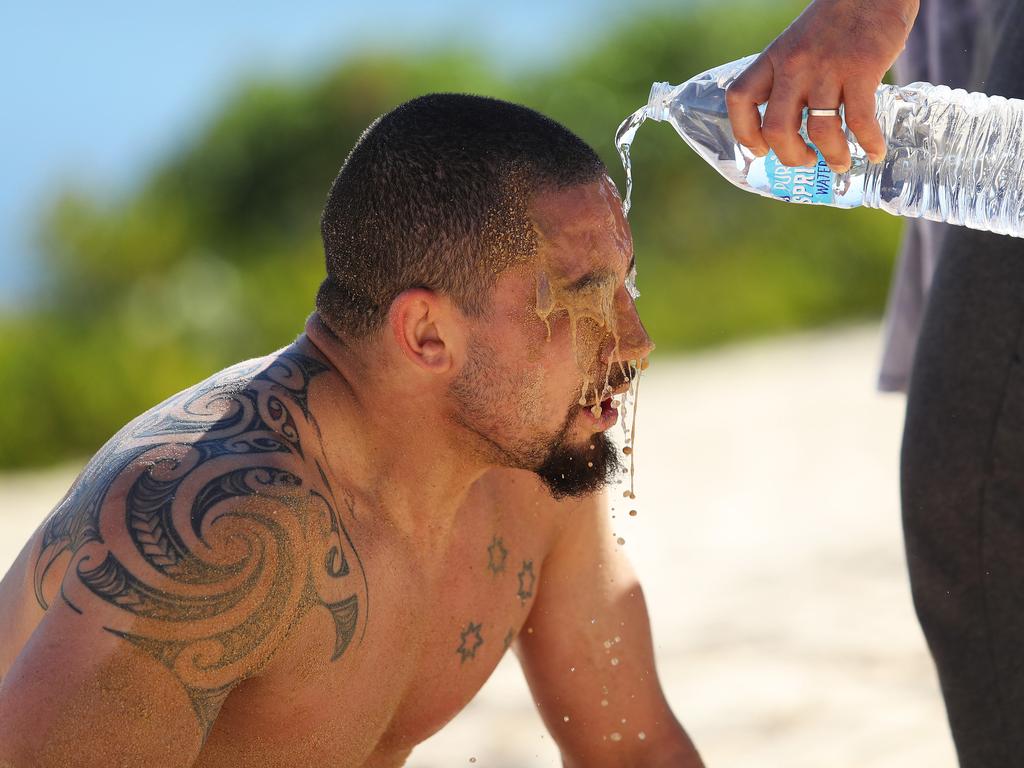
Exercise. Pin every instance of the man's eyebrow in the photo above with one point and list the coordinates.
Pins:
(592, 278)
(589, 279)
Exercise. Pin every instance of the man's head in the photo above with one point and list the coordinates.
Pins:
(434, 195)
(459, 230)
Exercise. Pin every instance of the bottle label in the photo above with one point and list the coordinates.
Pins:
(800, 185)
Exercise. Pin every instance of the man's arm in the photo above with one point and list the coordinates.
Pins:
(185, 586)
(588, 657)
(79, 695)
(188, 584)
(836, 52)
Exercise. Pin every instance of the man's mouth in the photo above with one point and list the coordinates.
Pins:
(609, 393)
(608, 414)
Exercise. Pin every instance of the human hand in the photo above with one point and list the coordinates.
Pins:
(836, 52)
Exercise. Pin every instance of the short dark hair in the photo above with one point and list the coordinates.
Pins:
(435, 195)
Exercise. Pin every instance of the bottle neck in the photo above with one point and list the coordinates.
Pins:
(659, 101)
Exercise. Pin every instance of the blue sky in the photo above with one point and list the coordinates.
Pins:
(96, 91)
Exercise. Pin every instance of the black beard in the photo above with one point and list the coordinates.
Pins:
(566, 473)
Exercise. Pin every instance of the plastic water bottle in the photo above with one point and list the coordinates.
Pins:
(952, 156)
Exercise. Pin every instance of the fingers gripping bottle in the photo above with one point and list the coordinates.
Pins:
(953, 156)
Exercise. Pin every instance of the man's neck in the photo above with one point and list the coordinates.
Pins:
(393, 446)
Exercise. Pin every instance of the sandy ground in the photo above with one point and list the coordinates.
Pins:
(769, 545)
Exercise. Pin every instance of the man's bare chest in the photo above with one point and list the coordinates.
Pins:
(432, 636)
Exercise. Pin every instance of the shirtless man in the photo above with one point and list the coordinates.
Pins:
(321, 555)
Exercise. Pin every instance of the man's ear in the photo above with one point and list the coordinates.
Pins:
(427, 328)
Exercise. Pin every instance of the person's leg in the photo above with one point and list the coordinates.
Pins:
(963, 474)
(963, 492)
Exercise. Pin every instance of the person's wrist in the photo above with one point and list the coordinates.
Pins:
(903, 11)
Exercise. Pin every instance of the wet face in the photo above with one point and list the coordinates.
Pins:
(560, 342)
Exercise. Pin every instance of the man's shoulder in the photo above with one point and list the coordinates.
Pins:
(241, 436)
(253, 409)
(228, 398)
(207, 528)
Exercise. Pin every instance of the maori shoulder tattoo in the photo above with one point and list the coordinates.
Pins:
(208, 528)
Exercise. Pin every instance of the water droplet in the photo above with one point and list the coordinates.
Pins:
(565, 718)
(604, 702)
(615, 736)
(632, 513)
(615, 661)
(607, 643)
(627, 450)
(621, 541)
(590, 464)
(641, 735)
(572, 669)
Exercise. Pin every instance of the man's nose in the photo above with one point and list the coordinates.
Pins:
(634, 342)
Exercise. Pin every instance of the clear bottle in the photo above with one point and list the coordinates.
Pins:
(952, 156)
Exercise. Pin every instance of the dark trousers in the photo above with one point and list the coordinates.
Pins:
(963, 472)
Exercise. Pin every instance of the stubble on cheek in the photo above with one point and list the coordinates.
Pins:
(542, 346)
(589, 336)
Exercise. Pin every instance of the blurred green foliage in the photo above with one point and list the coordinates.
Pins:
(215, 257)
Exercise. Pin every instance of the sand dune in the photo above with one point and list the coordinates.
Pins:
(769, 545)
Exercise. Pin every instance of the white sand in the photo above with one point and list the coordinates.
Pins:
(769, 545)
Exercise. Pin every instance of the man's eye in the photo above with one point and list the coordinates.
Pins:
(631, 289)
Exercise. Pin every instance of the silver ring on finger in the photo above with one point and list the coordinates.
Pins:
(813, 112)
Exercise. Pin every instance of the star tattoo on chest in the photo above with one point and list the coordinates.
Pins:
(497, 554)
(527, 579)
(471, 640)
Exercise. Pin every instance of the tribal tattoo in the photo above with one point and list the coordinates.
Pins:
(211, 557)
